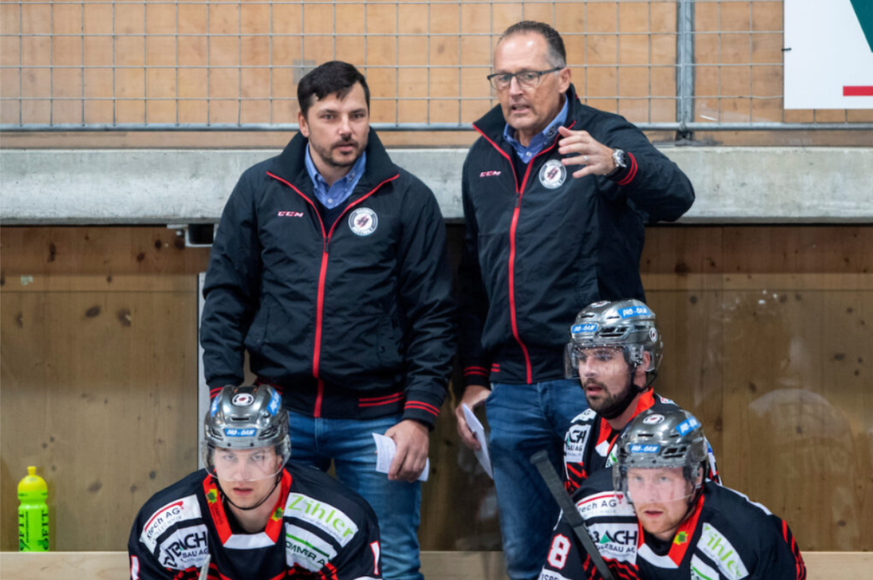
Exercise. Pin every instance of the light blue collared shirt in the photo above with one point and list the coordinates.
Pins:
(539, 141)
(332, 196)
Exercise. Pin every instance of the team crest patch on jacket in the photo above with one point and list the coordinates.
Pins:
(363, 221)
(553, 174)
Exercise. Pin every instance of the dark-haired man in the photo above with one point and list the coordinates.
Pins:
(541, 244)
(330, 267)
(614, 351)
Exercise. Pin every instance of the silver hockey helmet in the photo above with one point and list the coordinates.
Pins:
(671, 438)
(242, 420)
(626, 324)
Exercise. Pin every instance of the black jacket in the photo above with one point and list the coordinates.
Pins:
(345, 325)
(540, 247)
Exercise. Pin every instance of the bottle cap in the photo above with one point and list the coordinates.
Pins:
(32, 483)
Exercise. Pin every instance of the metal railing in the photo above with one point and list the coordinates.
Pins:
(145, 65)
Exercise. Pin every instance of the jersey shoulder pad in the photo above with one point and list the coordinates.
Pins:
(168, 508)
(734, 530)
(322, 503)
(659, 400)
(586, 416)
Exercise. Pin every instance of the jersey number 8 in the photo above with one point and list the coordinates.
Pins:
(558, 552)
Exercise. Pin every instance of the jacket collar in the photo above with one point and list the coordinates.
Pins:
(493, 123)
(290, 165)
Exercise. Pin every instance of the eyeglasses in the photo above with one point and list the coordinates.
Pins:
(527, 79)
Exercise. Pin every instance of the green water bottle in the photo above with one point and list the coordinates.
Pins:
(33, 516)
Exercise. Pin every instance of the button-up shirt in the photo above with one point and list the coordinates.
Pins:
(540, 140)
(331, 197)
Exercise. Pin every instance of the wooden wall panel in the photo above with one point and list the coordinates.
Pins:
(767, 333)
(99, 392)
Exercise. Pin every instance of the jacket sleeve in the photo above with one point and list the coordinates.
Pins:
(654, 184)
(232, 289)
(425, 280)
(475, 362)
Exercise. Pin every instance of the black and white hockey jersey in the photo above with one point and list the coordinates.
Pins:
(726, 537)
(319, 530)
(589, 444)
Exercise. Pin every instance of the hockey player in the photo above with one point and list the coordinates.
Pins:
(666, 520)
(615, 350)
(251, 513)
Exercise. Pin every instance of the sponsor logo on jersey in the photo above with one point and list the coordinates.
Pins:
(551, 575)
(363, 221)
(489, 174)
(275, 401)
(634, 311)
(553, 174)
(574, 442)
(721, 551)
(687, 426)
(305, 549)
(701, 570)
(240, 432)
(611, 458)
(587, 328)
(185, 548)
(607, 504)
(653, 419)
(321, 515)
(681, 538)
(180, 510)
(616, 541)
(212, 496)
(643, 448)
(290, 214)
(242, 399)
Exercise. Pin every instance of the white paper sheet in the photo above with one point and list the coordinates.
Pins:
(385, 450)
(479, 431)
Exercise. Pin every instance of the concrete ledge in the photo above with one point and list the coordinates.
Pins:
(734, 185)
(434, 565)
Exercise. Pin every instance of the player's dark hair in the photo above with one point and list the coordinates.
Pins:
(557, 53)
(332, 77)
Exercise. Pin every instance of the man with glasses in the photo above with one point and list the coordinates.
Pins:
(540, 245)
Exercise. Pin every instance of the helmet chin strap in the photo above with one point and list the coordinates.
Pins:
(257, 505)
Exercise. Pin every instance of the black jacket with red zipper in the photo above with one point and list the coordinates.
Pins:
(345, 325)
(534, 256)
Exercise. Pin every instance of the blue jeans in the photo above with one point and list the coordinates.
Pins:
(349, 442)
(523, 420)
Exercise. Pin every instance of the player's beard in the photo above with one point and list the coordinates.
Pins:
(611, 406)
